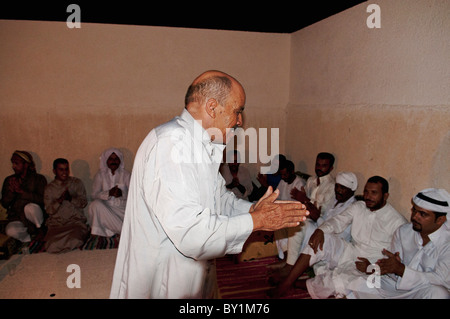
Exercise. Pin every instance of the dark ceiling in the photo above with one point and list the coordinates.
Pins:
(259, 16)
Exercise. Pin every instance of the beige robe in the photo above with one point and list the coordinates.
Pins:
(67, 228)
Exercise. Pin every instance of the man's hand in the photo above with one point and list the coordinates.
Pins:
(299, 195)
(316, 240)
(362, 265)
(270, 215)
(14, 185)
(392, 264)
(115, 191)
(314, 212)
(64, 196)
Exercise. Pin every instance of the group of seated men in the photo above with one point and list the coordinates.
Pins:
(358, 247)
(54, 212)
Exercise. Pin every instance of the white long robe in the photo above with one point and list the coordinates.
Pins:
(106, 213)
(179, 216)
(283, 236)
(322, 196)
(371, 232)
(427, 267)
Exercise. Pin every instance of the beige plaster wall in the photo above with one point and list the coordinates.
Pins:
(75, 92)
(378, 99)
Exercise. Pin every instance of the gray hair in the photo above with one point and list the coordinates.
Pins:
(216, 87)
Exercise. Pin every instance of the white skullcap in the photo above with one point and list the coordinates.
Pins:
(435, 199)
(347, 179)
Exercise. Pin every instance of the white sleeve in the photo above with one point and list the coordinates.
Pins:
(195, 230)
(439, 276)
(340, 222)
(97, 188)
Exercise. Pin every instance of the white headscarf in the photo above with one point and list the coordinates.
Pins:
(106, 154)
(347, 179)
(434, 199)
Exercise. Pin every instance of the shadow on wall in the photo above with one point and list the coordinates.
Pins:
(80, 168)
(38, 163)
(440, 170)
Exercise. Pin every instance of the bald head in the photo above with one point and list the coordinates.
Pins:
(216, 100)
(211, 84)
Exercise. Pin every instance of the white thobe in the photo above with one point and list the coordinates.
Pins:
(335, 210)
(310, 227)
(106, 213)
(322, 196)
(427, 268)
(179, 215)
(285, 188)
(282, 235)
(371, 232)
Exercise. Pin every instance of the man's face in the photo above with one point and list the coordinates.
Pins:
(286, 175)
(374, 197)
(424, 221)
(62, 172)
(342, 193)
(19, 165)
(229, 116)
(113, 162)
(323, 167)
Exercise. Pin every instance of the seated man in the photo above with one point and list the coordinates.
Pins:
(289, 181)
(344, 189)
(65, 198)
(317, 196)
(274, 178)
(23, 198)
(373, 221)
(418, 262)
(109, 194)
(237, 177)
(319, 189)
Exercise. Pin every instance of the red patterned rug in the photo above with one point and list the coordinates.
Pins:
(248, 279)
(91, 243)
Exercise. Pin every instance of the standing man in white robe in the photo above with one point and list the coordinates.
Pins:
(179, 213)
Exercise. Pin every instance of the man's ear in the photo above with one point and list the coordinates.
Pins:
(210, 107)
(441, 220)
